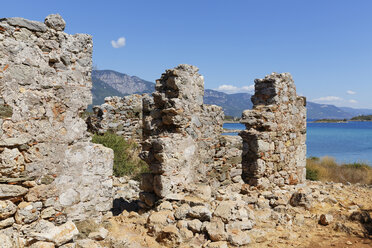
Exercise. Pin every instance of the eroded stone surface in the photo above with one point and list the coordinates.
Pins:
(180, 131)
(274, 149)
(45, 83)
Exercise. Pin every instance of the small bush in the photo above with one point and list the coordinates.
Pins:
(312, 174)
(313, 158)
(126, 160)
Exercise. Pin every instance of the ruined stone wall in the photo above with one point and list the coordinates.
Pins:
(55, 172)
(181, 132)
(274, 149)
(227, 167)
(120, 115)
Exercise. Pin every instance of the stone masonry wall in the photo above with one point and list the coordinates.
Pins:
(49, 171)
(180, 131)
(274, 149)
(120, 115)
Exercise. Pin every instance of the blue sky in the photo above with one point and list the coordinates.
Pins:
(325, 44)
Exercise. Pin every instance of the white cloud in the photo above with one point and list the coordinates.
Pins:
(353, 101)
(231, 89)
(328, 99)
(249, 88)
(119, 43)
(350, 92)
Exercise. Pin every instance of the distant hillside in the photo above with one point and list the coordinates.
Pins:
(124, 83)
(317, 111)
(100, 90)
(232, 104)
(356, 112)
(112, 83)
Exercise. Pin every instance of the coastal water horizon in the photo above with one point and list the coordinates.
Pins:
(346, 142)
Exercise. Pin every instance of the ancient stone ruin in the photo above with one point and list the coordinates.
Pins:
(50, 171)
(119, 115)
(274, 149)
(203, 187)
(181, 132)
(184, 134)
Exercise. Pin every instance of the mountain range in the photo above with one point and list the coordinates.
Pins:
(112, 83)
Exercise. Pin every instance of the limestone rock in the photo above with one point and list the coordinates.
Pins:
(12, 162)
(6, 222)
(186, 235)
(169, 236)
(158, 220)
(101, 234)
(300, 199)
(166, 205)
(6, 241)
(239, 238)
(239, 225)
(40, 192)
(182, 211)
(58, 234)
(24, 23)
(195, 225)
(325, 219)
(28, 212)
(42, 244)
(48, 213)
(56, 22)
(224, 210)
(200, 212)
(9, 191)
(7, 209)
(216, 230)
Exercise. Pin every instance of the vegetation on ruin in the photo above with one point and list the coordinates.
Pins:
(126, 160)
(362, 118)
(326, 169)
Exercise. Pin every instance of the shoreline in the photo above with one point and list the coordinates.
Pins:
(234, 122)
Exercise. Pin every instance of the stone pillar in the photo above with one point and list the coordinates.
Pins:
(274, 149)
(45, 85)
(180, 130)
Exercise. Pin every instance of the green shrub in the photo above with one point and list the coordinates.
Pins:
(312, 174)
(314, 158)
(126, 160)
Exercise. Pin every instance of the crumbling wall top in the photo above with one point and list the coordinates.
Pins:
(274, 149)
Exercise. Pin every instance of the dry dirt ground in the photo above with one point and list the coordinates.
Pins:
(351, 227)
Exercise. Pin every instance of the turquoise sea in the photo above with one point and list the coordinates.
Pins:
(346, 142)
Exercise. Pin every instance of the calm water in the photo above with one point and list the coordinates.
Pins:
(347, 142)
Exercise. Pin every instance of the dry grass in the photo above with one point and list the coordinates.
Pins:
(326, 169)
